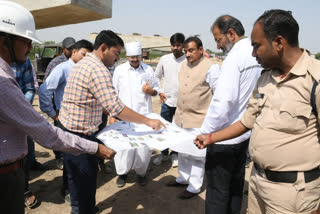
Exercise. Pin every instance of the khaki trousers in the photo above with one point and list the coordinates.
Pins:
(267, 197)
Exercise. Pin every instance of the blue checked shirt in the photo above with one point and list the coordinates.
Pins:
(24, 76)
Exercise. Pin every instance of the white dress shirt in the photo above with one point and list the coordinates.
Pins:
(168, 69)
(128, 83)
(212, 76)
(239, 74)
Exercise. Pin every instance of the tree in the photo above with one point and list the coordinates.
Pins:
(317, 55)
(219, 53)
(209, 51)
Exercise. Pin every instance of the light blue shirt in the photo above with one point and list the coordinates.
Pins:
(54, 85)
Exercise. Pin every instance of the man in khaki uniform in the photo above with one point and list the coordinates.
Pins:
(284, 143)
(197, 78)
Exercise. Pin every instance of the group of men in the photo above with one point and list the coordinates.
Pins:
(219, 104)
(282, 114)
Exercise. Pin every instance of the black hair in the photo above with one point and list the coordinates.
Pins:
(109, 38)
(226, 22)
(193, 39)
(83, 44)
(280, 23)
(177, 37)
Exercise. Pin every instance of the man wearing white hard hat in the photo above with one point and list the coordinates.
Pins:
(18, 118)
(135, 83)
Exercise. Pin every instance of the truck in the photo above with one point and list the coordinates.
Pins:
(43, 54)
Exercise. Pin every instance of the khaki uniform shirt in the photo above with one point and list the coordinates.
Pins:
(284, 129)
(194, 94)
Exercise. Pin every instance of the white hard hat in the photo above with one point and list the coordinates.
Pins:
(17, 20)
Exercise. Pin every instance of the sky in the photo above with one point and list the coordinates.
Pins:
(191, 17)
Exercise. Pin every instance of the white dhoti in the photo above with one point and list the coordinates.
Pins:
(137, 159)
(191, 169)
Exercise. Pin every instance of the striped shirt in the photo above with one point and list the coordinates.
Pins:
(19, 119)
(53, 63)
(89, 89)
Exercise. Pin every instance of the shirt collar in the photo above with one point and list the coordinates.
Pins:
(6, 67)
(300, 68)
(141, 66)
(71, 61)
(238, 44)
(92, 55)
(179, 58)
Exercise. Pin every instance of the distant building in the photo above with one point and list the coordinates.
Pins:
(155, 43)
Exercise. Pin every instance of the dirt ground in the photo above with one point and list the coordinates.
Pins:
(154, 198)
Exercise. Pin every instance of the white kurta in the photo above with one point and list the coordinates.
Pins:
(128, 83)
(191, 168)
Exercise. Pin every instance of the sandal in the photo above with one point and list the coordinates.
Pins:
(30, 200)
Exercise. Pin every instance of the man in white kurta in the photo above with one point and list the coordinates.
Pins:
(135, 84)
(197, 79)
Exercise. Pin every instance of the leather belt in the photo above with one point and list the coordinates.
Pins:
(287, 177)
(11, 167)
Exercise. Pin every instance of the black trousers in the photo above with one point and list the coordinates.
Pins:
(225, 170)
(82, 173)
(12, 192)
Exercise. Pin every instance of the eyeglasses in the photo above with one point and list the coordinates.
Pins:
(28, 42)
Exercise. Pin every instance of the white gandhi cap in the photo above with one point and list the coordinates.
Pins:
(133, 49)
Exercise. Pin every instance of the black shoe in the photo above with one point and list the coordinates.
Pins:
(173, 183)
(142, 180)
(104, 168)
(121, 181)
(186, 195)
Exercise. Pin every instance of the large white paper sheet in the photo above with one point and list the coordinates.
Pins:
(124, 135)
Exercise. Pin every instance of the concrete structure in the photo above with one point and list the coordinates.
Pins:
(52, 13)
(148, 42)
